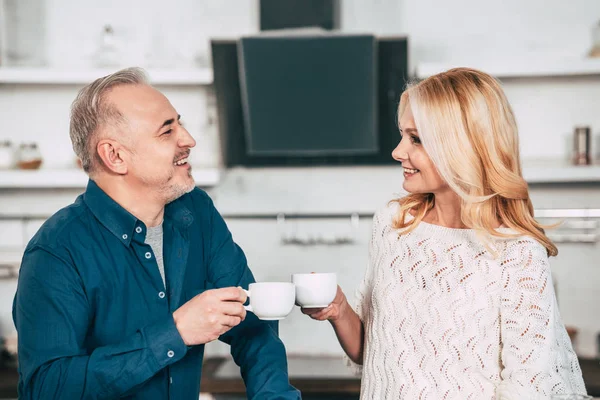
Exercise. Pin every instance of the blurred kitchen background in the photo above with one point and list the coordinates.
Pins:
(298, 181)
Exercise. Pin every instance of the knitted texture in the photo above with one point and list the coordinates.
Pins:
(445, 319)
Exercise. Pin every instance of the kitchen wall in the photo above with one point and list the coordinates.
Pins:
(463, 30)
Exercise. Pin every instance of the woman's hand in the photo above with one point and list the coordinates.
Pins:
(346, 323)
(333, 311)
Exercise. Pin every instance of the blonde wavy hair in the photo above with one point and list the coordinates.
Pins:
(469, 131)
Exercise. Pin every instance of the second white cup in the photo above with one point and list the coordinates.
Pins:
(315, 290)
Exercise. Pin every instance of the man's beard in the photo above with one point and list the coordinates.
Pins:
(171, 191)
(175, 191)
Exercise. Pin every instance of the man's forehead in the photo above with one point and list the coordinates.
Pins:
(140, 100)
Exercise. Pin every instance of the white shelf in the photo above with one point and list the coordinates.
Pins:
(77, 179)
(544, 171)
(548, 171)
(56, 76)
(520, 69)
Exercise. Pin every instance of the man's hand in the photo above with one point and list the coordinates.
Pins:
(210, 314)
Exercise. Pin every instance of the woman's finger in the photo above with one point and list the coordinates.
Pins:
(325, 313)
(310, 311)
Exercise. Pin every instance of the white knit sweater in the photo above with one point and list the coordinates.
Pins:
(444, 319)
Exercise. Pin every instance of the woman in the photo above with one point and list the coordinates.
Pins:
(457, 301)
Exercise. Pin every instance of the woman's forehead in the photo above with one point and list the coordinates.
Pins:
(407, 119)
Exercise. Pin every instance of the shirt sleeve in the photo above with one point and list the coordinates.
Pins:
(255, 344)
(537, 355)
(52, 317)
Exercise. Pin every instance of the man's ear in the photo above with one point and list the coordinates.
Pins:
(114, 155)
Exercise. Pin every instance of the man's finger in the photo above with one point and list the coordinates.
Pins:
(230, 321)
(233, 308)
(231, 294)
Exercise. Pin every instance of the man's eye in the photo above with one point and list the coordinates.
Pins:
(167, 132)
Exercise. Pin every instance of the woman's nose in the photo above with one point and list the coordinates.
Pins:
(399, 153)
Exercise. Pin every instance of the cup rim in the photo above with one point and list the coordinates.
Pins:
(315, 274)
(270, 284)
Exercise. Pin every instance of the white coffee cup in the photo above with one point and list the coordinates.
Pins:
(271, 300)
(315, 290)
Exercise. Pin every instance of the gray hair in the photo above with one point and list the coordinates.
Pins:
(89, 111)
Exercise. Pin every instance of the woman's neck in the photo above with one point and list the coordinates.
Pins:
(446, 211)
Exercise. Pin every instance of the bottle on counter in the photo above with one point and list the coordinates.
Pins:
(23, 25)
(595, 51)
(7, 155)
(582, 149)
(108, 53)
(29, 156)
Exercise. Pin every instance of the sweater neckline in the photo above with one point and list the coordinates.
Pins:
(433, 229)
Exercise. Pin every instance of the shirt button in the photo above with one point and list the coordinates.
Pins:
(170, 353)
(138, 229)
(161, 295)
(124, 237)
(148, 255)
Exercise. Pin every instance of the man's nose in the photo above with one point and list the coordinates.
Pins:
(186, 140)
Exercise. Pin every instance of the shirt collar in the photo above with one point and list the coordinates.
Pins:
(121, 222)
(111, 214)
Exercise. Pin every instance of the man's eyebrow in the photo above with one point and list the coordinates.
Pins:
(169, 122)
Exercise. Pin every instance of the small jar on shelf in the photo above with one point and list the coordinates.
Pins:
(7, 155)
(29, 156)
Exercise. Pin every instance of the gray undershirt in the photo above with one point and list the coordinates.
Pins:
(154, 237)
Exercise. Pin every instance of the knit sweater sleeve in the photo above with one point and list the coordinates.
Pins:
(537, 356)
(362, 304)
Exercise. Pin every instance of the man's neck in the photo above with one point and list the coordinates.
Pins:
(141, 204)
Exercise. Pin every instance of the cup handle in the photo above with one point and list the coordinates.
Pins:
(248, 307)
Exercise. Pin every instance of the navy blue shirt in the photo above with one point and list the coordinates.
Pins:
(94, 318)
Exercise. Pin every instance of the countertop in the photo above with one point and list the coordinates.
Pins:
(312, 375)
(329, 375)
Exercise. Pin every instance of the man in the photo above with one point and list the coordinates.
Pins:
(119, 292)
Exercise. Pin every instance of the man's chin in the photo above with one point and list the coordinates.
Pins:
(191, 186)
(179, 190)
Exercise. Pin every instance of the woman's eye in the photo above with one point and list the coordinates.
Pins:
(415, 140)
